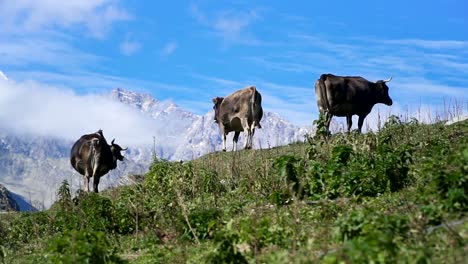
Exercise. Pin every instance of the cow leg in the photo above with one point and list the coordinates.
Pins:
(328, 118)
(247, 134)
(224, 141)
(361, 122)
(86, 183)
(349, 121)
(234, 140)
(252, 132)
(96, 183)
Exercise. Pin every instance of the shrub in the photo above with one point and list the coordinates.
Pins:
(433, 213)
(84, 246)
(360, 173)
(226, 248)
(204, 222)
(98, 212)
(259, 233)
(361, 223)
(28, 226)
(375, 248)
(160, 198)
(451, 179)
(288, 171)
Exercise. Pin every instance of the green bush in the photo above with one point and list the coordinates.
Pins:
(361, 223)
(259, 233)
(84, 246)
(205, 222)
(27, 227)
(160, 199)
(124, 220)
(375, 248)
(226, 248)
(350, 173)
(98, 212)
(433, 213)
(288, 170)
(451, 179)
(370, 237)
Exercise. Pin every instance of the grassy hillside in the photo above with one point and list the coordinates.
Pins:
(400, 195)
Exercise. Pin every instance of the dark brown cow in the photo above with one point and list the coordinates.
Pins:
(348, 96)
(91, 156)
(240, 111)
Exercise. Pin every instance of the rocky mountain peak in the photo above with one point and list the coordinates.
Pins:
(7, 203)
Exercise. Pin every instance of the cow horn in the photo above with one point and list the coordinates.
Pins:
(125, 149)
(112, 142)
(389, 79)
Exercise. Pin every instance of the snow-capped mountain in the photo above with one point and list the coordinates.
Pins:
(193, 135)
(35, 166)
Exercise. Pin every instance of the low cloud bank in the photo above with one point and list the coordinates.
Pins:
(33, 108)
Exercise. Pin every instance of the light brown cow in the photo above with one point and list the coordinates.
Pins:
(240, 111)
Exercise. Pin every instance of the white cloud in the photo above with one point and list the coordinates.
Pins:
(430, 44)
(197, 14)
(129, 47)
(169, 48)
(38, 109)
(231, 26)
(31, 15)
(47, 49)
(3, 76)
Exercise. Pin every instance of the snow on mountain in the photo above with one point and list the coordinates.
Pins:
(170, 120)
(35, 166)
(191, 136)
(203, 136)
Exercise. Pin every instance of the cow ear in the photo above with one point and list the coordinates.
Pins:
(215, 100)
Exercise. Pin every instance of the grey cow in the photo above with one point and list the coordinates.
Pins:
(348, 96)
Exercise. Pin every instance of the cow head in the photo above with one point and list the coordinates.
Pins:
(382, 92)
(217, 103)
(116, 149)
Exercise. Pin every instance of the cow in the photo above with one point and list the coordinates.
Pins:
(348, 96)
(91, 156)
(240, 111)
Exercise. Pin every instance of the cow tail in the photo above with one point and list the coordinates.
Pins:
(321, 94)
(257, 112)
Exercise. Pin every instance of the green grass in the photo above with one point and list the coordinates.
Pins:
(397, 196)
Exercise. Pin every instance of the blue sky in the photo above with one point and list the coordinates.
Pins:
(192, 51)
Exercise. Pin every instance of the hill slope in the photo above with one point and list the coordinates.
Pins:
(397, 196)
